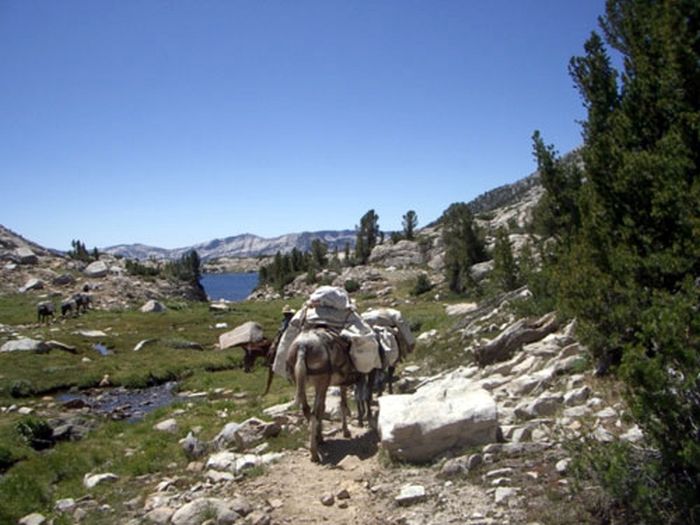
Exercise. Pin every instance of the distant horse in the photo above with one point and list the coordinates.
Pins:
(82, 302)
(253, 351)
(44, 311)
(69, 306)
(319, 356)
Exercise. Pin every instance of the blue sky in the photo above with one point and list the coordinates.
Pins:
(175, 122)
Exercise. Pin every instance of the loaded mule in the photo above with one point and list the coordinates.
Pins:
(378, 378)
(320, 357)
(395, 342)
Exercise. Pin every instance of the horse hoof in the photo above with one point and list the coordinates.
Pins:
(315, 459)
(347, 434)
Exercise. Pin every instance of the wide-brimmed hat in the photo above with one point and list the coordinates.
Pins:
(287, 309)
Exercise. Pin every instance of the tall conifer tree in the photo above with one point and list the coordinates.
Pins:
(630, 268)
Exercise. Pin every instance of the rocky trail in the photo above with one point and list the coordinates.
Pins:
(353, 484)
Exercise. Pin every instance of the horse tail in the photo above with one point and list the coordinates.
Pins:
(300, 373)
(270, 373)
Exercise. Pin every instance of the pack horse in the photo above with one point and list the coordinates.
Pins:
(327, 343)
(320, 357)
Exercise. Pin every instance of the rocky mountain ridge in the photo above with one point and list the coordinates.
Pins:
(245, 245)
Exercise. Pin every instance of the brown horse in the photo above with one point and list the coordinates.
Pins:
(319, 356)
(253, 351)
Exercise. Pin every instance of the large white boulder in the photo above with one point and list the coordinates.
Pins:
(24, 345)
(449, 413)
(26, 256)
(248, 332)
(96, 269)
(32, 284)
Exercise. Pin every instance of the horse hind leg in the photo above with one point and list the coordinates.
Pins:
(315, 422)
(368, 397)
(360, 395)
(344, 410)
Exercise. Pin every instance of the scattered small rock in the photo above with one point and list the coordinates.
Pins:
(410, 494)
(92, 480)
(562, 465)
(168, 425)
(504, 494)
(194, 512)
(92, 333)
(241, 506)
(143, 343)
(153, 306)
(258, 518)
(160, 515)
(193, 447)
(350, 462)
(33, 519)
(65, 505)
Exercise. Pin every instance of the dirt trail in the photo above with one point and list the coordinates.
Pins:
(293, 488)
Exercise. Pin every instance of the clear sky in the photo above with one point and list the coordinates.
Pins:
(176, 122)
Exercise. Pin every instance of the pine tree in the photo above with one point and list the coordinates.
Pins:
(367, 236)
(557, 214)
(628, 268)
(81, 253)
(347, 255)
(464, 246)
(409, 222)
(319, 253)
(505, 275)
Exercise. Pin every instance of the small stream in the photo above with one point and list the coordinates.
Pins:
(121, 403)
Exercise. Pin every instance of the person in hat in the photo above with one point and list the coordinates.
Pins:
(287, 314)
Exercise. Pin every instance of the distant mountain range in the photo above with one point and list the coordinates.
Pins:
(245, 245)
(249, 245)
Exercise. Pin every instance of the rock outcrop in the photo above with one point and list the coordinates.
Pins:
(446, 414)
(400, 255)
(31, 269)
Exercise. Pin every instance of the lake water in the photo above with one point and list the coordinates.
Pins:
(229, 286)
